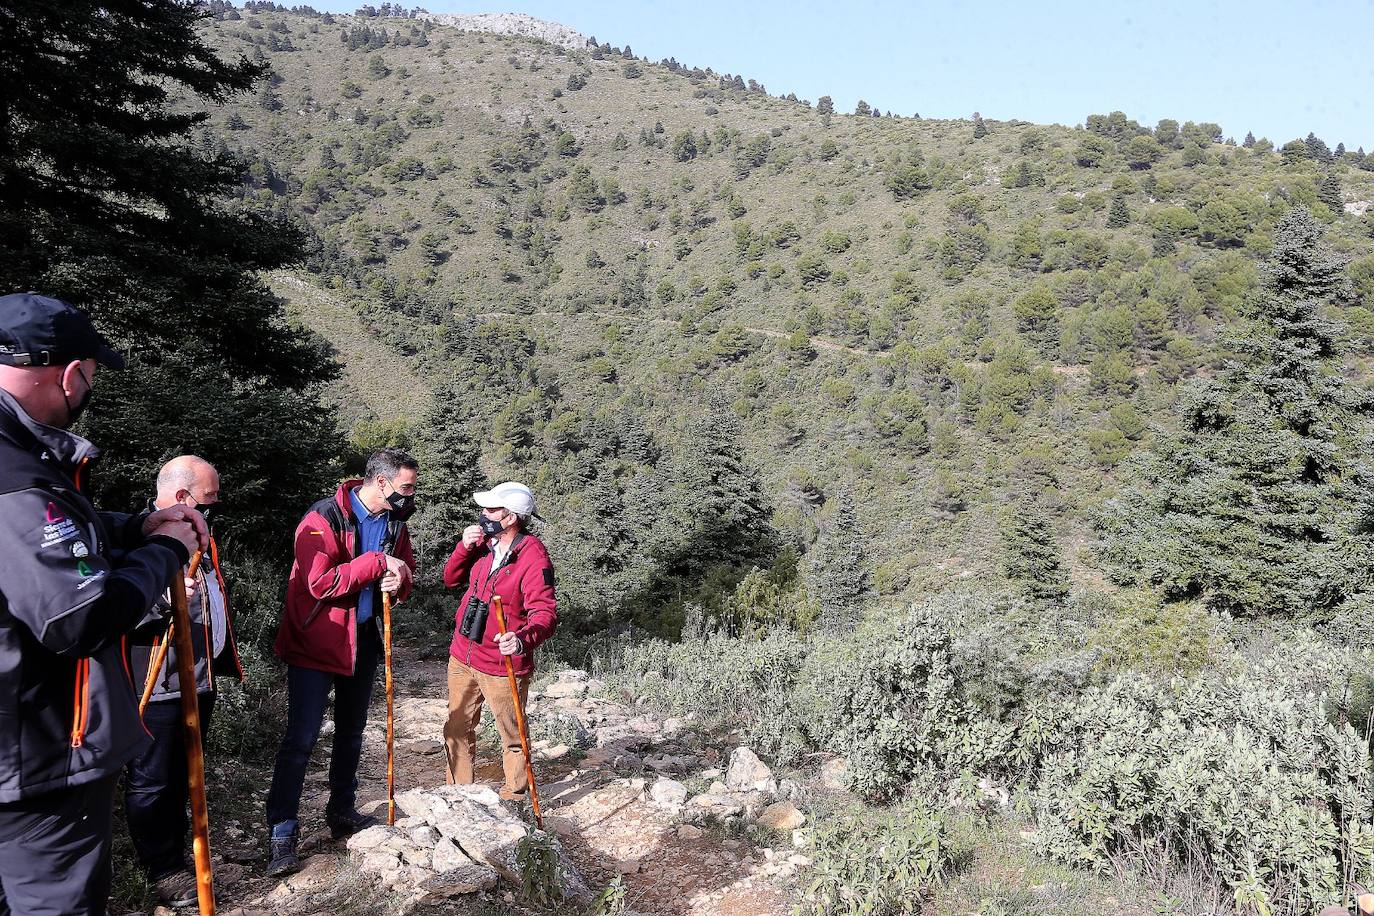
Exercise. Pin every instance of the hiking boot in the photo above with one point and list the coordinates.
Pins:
(346, 823)
(176, 890)
(284, 859)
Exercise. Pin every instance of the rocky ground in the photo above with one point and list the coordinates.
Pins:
(687, 828)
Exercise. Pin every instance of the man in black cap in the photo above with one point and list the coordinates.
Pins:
(73, 582)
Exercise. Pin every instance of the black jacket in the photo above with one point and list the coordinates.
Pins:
(73, 582)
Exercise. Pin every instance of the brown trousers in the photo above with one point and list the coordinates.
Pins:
(467, 690)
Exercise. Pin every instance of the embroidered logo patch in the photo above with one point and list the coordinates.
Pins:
(79, 549)
(58, 528)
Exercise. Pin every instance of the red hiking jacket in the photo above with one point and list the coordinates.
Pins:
(319, 628)
(526, 587)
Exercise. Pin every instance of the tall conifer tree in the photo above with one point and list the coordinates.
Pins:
(110, 197)
(1252, 504)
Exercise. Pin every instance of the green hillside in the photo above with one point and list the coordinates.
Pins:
(602, 262)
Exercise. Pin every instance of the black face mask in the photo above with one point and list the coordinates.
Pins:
(212, 512)
(74, 411)
(490, 526)
(402, 507)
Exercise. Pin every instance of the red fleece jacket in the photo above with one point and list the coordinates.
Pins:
(319, 628)
(526, 587)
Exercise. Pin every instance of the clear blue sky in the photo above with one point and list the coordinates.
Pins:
(1280, 69)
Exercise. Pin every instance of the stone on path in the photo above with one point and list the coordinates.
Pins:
(747, 773)
(668, 793)
(458, 840)
(782, 815)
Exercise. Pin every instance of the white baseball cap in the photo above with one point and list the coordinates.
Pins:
(509, 495)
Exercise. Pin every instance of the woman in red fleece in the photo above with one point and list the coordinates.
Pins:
(497, 556)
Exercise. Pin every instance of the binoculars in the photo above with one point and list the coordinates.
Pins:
(474, 625)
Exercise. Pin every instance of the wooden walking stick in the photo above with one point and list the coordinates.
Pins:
(195, 756)
(519, 715)
(155, 663)
(390, 715)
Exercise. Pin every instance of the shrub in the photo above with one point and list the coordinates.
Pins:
(1244, 769)
(904, 712)
(867, 864)
(725, 682)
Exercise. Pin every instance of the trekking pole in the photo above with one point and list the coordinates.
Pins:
(155, 664)
(519, 715)
(390, 716)
(195, 755)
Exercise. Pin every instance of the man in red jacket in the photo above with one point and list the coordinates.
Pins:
(497, 556)
(349, 548)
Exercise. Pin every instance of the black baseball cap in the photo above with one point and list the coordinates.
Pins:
(41, 331)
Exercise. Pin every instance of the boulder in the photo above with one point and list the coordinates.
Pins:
(834, 773)
(782, 815)
(747, 773)
(707, 806)
(563, 690)
(370, 838)
(425, 836)
(447, 856)
(668, 793)
(459, 840)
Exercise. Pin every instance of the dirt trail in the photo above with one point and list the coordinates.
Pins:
(598, 809)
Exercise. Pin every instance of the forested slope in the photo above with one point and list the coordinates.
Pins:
(718, 329)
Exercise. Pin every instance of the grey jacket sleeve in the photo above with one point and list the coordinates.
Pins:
(58, 585)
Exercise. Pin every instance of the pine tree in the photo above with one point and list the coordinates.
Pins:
(1119, 215)
(1329, 193)
(836, 576)
(1249, 141)
(1316, 149)
(449, 451)
(109, 199)
(1030, 554)
(980, 129)
(717, 499)
(1251, 505)
(863, 109)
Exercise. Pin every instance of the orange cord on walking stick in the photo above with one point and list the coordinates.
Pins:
(519, 715)
(160, 656)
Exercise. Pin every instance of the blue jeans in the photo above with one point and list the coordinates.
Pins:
(307, 698)
(155, 789)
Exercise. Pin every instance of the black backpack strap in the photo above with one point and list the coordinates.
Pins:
(393, 533)
(329, 509)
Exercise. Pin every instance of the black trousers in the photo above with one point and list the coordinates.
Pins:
(156, 791)
(55, 852)
(307, 698)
